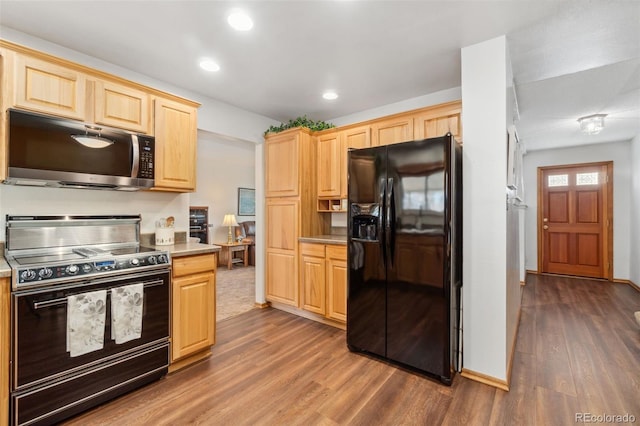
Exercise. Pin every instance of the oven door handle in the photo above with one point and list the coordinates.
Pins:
(63, 300)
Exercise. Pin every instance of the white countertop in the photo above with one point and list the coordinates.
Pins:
(187, 249)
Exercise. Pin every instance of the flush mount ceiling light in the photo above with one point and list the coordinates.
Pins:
(330, 95)
(209, 65)
(91, 141)
(240, 21)
(592, 124)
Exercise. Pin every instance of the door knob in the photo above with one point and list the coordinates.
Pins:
(545, 220)
(545, 227)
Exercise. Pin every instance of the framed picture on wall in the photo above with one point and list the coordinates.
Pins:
(246, 202)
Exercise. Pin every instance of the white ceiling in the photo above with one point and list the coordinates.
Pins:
(570, 58)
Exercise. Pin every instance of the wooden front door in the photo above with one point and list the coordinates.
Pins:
(574, 220)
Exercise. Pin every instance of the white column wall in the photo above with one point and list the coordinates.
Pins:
(260, 225)
(484, 73)
(634, 272)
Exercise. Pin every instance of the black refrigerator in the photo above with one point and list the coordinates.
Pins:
(405, 254)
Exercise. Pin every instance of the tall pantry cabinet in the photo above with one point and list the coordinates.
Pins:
(291, 193)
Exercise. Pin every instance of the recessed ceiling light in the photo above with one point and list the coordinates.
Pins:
(209, 65)
(330, 95)
(240, 21)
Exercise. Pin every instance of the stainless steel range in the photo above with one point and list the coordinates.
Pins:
(90, 313)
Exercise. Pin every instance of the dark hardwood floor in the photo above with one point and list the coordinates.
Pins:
(578, 351)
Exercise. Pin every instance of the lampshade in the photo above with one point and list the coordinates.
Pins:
(592, 124)
(229, 220)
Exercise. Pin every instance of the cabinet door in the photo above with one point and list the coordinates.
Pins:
(439, 126)
(121, 106)
(281, 170)
(357, 137)
(439, 121)
(329, 165)
(392, 131)
(193, 314)
(282, 224)
(282, 273)
(176, 135)
(52, 89)
(282, 232)
(312, 278)
(5, 343)
(337, 282)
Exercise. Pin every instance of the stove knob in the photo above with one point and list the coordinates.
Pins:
(134, 261)
(162, 258)
(45, 273)
(72, 269)
(86, 268)
(152, 260)
(27, 275)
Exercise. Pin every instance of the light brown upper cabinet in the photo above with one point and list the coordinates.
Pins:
(49, 88)
(283, 157)
(121, 106)
(176, 139)
(393, 130)
(329, 164)
(356, 137)
(35, 81)
(438, 121)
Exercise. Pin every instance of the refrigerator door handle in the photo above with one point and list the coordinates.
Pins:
(391, 219)
(381, 225)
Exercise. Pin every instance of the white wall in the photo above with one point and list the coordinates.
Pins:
(619, 153)
(223, 166)
(484, 96)
(44, 201)
(634, 272)
(397, 107)
(213, 116)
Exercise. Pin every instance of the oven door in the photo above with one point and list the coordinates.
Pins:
(39, 351)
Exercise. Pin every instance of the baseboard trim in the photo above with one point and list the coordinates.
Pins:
(513, 346)
(522, 283)
(191, 359)
(262, 305)
(629, 282)
(308, 315)
(532, 272)
(483, 378)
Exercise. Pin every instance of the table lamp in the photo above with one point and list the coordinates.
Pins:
(230, 221)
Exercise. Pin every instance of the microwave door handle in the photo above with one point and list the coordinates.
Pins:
(136, 156)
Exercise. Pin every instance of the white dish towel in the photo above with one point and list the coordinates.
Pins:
(85, 322)
(126, 312)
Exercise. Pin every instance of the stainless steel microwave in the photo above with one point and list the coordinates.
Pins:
(58, 152)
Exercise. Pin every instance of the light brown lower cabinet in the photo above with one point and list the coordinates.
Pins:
(323, 280)
(193, 308)
(5, 344)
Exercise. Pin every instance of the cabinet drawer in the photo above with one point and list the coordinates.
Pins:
(193, 264)
(337, 252)
(312, 249)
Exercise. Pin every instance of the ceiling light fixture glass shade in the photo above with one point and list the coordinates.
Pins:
(240, 21)
(91, 141)
(592, 124)
(209, 65)
(330, 95)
